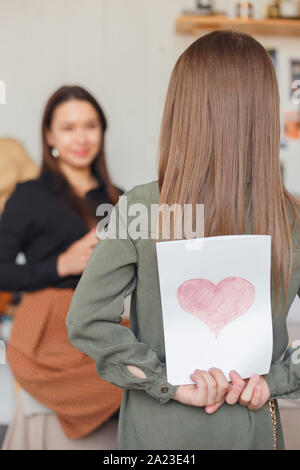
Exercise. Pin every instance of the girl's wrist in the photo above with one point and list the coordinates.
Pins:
(175, 396)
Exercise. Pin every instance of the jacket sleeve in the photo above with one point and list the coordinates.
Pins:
(93, 320)
(284, 377)
(16, 227)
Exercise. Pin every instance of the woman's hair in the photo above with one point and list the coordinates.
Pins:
(220, 135)
(50, 166)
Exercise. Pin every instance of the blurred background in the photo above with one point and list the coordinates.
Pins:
(123, 51)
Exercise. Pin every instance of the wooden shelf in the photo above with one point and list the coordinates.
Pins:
(195, 25)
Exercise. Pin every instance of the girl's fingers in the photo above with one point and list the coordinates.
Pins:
(213, 385)
(202, 387)
(238, 385)
(210, 386)
(222, 383)
(213, 408)
(255, 403)
(247, 394)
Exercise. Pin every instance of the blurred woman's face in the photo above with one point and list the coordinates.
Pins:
(76, 133)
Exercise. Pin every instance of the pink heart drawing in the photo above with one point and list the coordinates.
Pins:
(216, 305)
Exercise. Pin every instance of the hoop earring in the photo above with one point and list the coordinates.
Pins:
(54, 152)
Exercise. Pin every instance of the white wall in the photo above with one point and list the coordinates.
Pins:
(121, 50)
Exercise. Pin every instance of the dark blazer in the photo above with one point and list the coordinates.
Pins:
(36, 222)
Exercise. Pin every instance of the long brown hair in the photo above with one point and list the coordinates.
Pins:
(50, 165)
(220, 135)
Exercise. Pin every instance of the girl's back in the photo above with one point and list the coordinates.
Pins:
(219, 146)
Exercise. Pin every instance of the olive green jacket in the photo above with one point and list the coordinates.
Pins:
(149, 418)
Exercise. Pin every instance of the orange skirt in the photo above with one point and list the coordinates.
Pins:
(46, 364)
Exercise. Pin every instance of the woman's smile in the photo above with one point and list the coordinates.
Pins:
(81, 152)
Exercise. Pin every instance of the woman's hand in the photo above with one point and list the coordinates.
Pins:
(210, 388)
(253, 392)
(74, 260)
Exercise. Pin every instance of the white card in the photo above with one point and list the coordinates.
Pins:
(216, 305)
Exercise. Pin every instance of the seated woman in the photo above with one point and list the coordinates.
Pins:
(52, 220)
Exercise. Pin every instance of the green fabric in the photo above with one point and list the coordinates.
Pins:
(149, 418)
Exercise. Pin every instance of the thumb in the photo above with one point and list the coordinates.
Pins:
(213, 408)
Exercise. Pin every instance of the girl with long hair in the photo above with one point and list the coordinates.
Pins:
(62, 402)
(219, 146)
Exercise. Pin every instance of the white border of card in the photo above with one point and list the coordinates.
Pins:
(246, 343)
